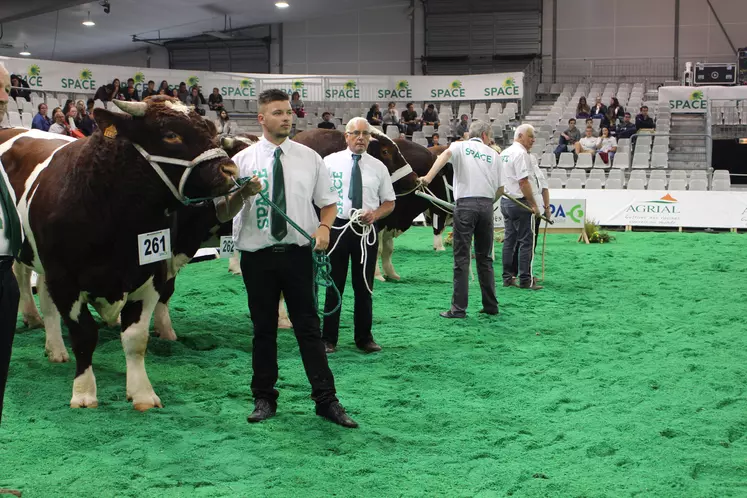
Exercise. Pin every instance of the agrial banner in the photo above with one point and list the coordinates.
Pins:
(75, 78)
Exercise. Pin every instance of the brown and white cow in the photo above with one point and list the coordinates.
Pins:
(83, 204)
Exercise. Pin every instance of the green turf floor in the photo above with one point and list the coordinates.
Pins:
(624, 377)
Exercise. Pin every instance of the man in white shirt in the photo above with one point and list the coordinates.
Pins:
(276, 258)
(541, 193)
(477, 184)
(11, 236)
(519, 222)
(588, 143)
(361, 182)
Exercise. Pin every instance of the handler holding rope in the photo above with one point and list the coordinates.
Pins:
(364, 195)
(519, 222)
(277, 258)
(477, 185)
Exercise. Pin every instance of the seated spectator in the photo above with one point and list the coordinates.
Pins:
(392, 118)
(590, 122)
(68, 104)
(130, 93)
(430, 116)
(297, 105)
(165, 87)
(150, 91)
(582, 109)
(59, 126)
(182, 93)
(588, 144)
(615, 113)
(215, 100)
(374, 116)
(90, 105)
(41, 121)
(175, 93)
(568, 139)
(599, 111)
(463, 127)
(606, 146)
(410, 119)
(196, 100)
(626, 129)
(226, 127)
(643, 121)
(327, 123)
(116, 90)
(434, 140)
(71, 116)
(18, 85)
(83, 121)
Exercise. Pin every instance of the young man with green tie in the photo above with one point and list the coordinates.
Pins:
(276, 258)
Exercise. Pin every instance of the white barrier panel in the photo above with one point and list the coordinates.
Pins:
(87, 78)
(660, 208)
(566, 213)
(682, 99)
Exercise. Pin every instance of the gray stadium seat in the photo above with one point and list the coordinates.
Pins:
(698, 184)
(613, 184)
(655, 184)
(660, 161)
(636, 184)
(677, 184)
(621, 160)
(593, 183)
(584, 161)
(721, 184)
(554, 183)
(640, 161)
(566, 160)
(574, 183)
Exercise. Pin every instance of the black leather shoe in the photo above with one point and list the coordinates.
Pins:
(263, 409)
(453, 314)
(532, 285)
(334, 412)
(370, 347)
(488, 312)
(510, 283)
(329, 348)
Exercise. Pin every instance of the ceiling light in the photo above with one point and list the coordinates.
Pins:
(88, 21)
(282, 5)
(25, 52)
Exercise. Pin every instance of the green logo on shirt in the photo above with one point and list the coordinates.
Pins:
(337, 185)
(478, 155)
(263, 209)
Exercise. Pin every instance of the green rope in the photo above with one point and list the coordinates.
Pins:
(322, 265)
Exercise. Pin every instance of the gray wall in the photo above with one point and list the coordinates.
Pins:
(635, 38)
(373, 40)
(159, 58)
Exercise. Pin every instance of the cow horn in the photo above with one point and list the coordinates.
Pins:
(135, 109)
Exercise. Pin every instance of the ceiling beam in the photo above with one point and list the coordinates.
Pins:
(15, 11)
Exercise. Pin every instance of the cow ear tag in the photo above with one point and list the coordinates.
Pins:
(110, 131)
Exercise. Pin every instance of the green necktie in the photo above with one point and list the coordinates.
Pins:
(278, 225)
(355, 192)
(10, 224)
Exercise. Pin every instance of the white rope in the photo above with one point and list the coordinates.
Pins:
(365, 234)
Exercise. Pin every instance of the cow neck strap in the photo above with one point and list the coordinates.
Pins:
(215, 153)
(401, 173)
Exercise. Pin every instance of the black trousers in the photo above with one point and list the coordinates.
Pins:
(267, 273)
(518, 235)
(9, 297)
(515, 265)
(348, 249)
(473, 216)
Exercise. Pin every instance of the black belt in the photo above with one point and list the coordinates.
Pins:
(282, 248)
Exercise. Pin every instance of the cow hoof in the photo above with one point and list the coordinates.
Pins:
(284, 323)
(84, 401)
(166, 335)
(393, 276)
(33, 322)
(146, 401)
(439, 248)
(55, 356)
(378, 276)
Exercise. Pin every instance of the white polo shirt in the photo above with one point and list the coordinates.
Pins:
(517, 164)
(306, 181)
(4, 242)
(377, 184)
(477, 170)
(538, 182)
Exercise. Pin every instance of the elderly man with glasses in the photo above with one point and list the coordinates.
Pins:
(364, 193)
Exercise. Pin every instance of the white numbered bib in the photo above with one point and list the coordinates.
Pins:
(154, 246)
(226, 247)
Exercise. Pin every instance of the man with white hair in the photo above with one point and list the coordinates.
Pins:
(477, 184)
(365, 193)
(11, 236)
(519, 223)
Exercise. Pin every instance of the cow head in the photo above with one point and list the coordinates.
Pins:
(4, 90)
(234, 145)
(383, 148)
(176, 141)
